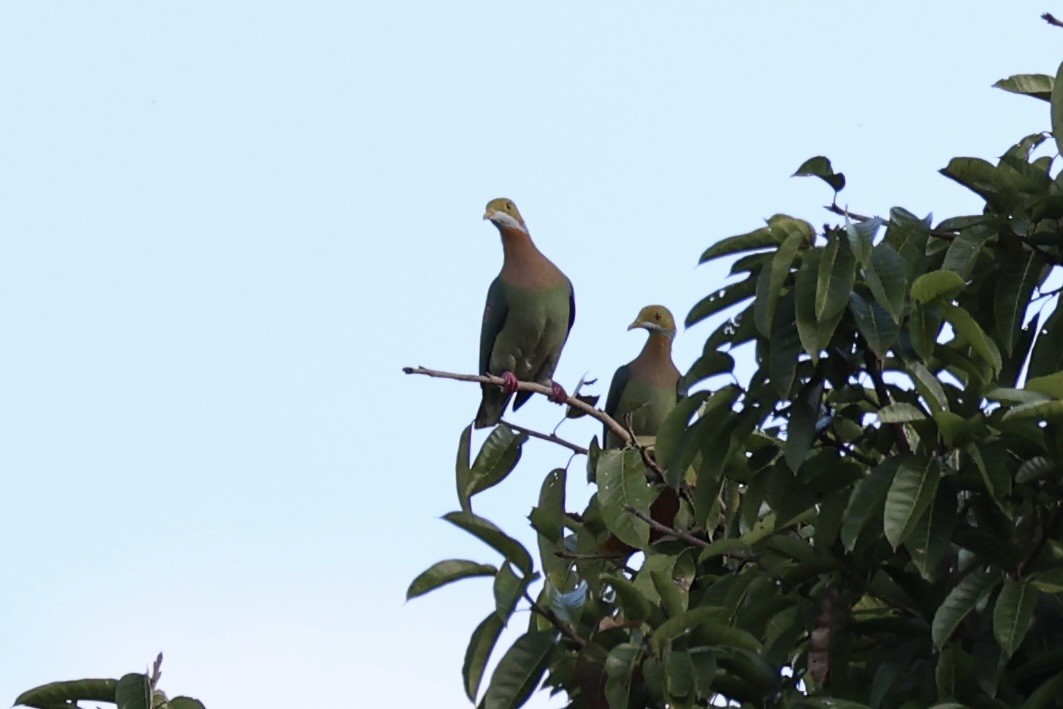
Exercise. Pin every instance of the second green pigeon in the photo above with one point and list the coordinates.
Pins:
(647, 386)
(529, 312)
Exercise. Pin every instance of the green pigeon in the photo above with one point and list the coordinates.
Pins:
(647, 387)
(529, 312)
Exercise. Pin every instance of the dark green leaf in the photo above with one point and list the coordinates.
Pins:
(874, 323)
(1047, 354)
(723, 298)
(931, 539)
(911, 493)
(444, 572)
(784, 347)
(619, 667)
(771, 281)
(834, 282)
(519, 671)
(630, 599)
(508, 589)
(1036, 85)
(820, 167)
(1013, 614)
(967, 328)
(621, 476)
(886, 276)
(707, 365)
(801, 426)
(1018, 276)
(133, 692)
(679, 673)
(184, 703)
(924, 326)
(463, 469)
(964, 250)
(88, 690)
(671, 430)
(548, 519)
(960, 601)
(908, 235)
(497, 458)
(869, 497)
(1057, 109)
(494, 537)
(481, 643)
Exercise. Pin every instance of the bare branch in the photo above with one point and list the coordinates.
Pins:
(552, 437)
(665, 529)
(572, 401)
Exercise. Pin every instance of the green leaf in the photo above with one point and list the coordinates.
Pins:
(886, 276)
(801, 424)
(938, 285)
(1049, 385)
(1045, 411)
(1057, 109)
(707, 365)
(463, 469)
(784, 347)
(619, 666)
(931, 539)
(964, 250)
(1050, 581)
(723, 298)
(679, 673)
(908, 235)
(481, 643)
(508, 589)
(133, 692)
(444, 572)
(924, 326)
(519, 671)
(670, 433)
(710, 620)
(911, 493)
(621, 476)
(1016, 396)
(548, 519)
(820, 167)
(869, 497)
(1018, 276)
(960, 601)
(497, 458)
(494, 537)
(900, 413)
(1036, 85)
(86, 690)
(967, 328)
(184, 703)
(1047, 354)
(837, 273)
(874, 323)
(1046, 695)
(861, 236)
(771, 281)
(761, 238)
(1013, 614)
(813, 334)
(929, 387)
(630, 599)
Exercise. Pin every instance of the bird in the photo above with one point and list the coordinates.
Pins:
(647, 387)
(528, 315)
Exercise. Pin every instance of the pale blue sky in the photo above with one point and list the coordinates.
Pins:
(225, 227)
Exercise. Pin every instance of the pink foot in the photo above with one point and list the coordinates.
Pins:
(558, 396)
(510, 382)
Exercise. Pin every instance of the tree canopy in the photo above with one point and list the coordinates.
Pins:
(871, 519)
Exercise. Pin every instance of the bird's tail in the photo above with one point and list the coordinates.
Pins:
(492, 406)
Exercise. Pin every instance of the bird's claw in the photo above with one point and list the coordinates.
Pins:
(510, 383)
(558, 395)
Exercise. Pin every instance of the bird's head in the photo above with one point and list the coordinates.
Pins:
(504, 214)
(655, 318)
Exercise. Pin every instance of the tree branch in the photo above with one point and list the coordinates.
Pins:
(1050, 526)
(874, 370)
(561, 625)
(572, 401)
(552, 437)
(665, 529)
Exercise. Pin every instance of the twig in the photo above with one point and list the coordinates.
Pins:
(874, 370)
(552, 437)
(561, 625)
(1020, 570)
(847, 450)
(1050, 19)
(616, 559)
(665, 529)
(572, 401)
(648, 460)
(835, 209)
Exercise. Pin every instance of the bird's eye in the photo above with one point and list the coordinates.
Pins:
(509, 205)
(656, 316)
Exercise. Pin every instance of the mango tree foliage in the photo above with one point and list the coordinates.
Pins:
(873, 519)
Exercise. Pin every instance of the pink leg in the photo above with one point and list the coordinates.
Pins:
(559, 396)
(511, 382)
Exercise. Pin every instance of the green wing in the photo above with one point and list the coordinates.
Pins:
(495, 310)
(612, 401)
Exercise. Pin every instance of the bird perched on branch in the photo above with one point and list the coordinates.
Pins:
(647, 386)
(529, 312)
